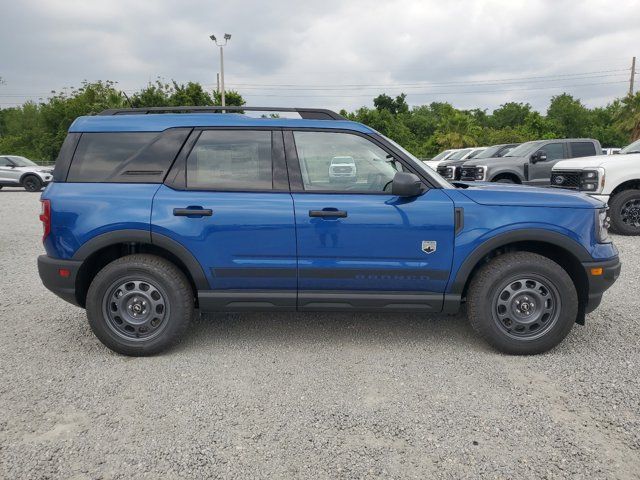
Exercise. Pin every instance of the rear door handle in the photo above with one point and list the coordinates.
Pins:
(194, 212)
(328, 213)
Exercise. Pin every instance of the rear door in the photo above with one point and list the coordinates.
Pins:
(227, 201)
(359, 246)
(540, 172)
(9, 174)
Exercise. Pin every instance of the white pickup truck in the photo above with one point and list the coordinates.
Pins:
(614, 179)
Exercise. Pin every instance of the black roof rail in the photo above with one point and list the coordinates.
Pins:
(306, 113)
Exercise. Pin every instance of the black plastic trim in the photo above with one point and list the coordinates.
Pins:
(63, 287)
(306, 113)
(523, 235)
(318, 300)
(145, 236)
(598, 284)
(246, 300)
(63, 162)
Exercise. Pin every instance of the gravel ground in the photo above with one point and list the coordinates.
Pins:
(308, 396)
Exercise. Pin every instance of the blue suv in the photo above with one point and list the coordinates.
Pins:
(154, 213)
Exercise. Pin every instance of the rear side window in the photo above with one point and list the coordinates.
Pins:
(99, 155)
(231, 160)
(582, 149)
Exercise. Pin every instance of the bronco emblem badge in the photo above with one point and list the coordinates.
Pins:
(429, 246)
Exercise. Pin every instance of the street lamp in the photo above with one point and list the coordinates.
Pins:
(227, 37)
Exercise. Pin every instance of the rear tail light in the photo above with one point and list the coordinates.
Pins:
(45, 218)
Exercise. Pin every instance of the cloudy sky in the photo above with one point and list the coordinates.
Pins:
(327, 53)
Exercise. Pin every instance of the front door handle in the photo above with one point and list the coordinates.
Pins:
(193, 212)
(328, 213)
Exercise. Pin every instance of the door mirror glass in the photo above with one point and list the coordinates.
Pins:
(406, 184)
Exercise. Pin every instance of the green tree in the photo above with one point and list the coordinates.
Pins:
(392, 105)
(510, 114)
(231, 98)
(628, 117)
(569, 116)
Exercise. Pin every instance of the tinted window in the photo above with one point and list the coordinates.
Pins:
(459, 154)
(343, 162)
(4, 162)
(554, 151)
(231, 160)
(98, 155)
(582, 149)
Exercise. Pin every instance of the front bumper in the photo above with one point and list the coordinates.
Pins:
(63, 285)
(598, 284)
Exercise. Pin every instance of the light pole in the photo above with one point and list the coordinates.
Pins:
(227, 37)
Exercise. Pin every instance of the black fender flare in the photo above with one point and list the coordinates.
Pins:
(145, 236)
(508, 172)
(502, 239)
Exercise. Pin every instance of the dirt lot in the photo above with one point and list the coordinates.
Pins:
(308, 396)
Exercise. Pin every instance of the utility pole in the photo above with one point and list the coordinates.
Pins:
(218, 82)
(227, 37)
(633, 74)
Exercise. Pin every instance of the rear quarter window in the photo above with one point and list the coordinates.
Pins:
(126, 157)
(582, 149)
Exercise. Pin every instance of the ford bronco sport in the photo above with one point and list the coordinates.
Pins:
(156, 212)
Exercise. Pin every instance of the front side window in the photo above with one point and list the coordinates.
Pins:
(554, 151)
(231, 160)
(343, 162)
(5, 162)
(23, 162)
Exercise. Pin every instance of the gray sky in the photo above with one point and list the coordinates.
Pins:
(328, 53)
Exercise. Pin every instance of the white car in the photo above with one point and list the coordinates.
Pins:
(343, 169)
(441, 157)
(18, 171)
(614, 179)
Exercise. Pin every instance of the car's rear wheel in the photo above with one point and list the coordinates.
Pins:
(31, 183)
(522, 303)
(625, 212)
(139, 304)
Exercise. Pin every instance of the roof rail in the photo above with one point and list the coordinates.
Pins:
(306, 113)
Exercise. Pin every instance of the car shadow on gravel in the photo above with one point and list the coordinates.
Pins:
(313, 329)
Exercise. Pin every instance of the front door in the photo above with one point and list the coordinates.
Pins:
(540, 172)
(231, 208)
(359, 246)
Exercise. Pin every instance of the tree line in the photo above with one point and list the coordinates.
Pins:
(37, 129)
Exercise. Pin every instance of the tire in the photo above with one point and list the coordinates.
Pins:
(625, 212)
(31, 183)
(527, 278)
(504, 180)
(149, 285)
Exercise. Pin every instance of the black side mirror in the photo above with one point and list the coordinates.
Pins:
(406, 184)
(539, 156)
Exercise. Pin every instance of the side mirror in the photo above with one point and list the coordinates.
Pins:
(406, 184)
(539, 156)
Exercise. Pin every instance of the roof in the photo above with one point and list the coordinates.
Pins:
(160, 122)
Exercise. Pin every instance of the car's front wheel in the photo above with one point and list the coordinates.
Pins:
(625, 212)
(522, 303)
(31, 183)
(139, 304)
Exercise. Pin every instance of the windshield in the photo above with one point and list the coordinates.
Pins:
(23, 162)
(420, 165)
(459, 155)
(475, 153)
(632, 148)
(441, 155)
(489, 152)
(525, 149)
